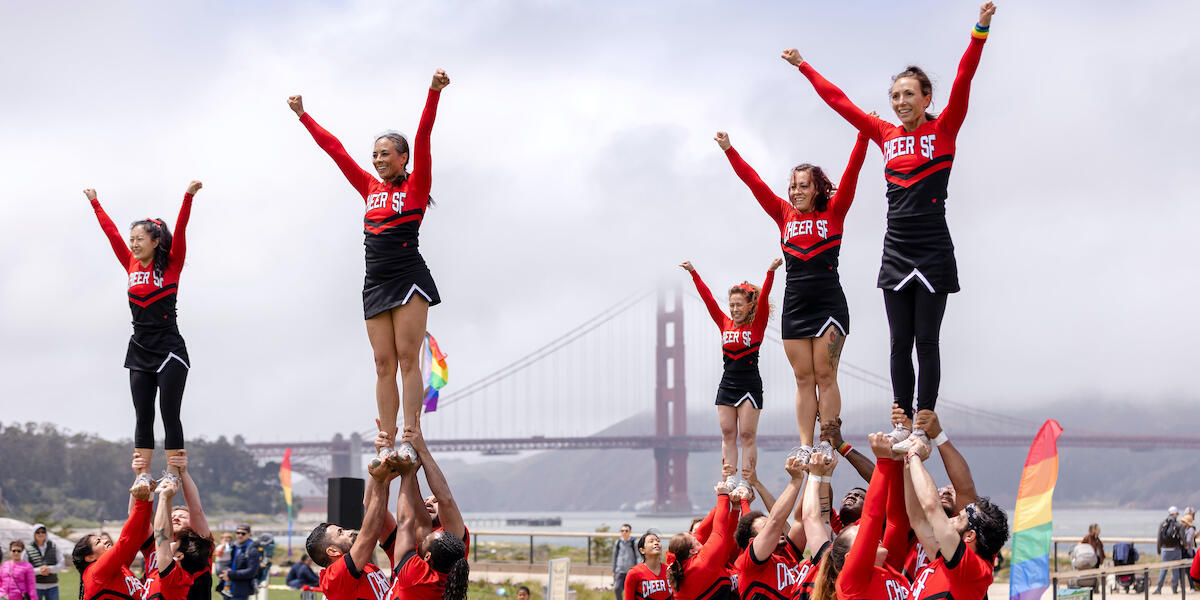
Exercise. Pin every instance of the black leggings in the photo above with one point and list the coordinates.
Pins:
(169, 383)
(915, 315)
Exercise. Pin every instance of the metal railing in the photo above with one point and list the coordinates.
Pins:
(589, 535)
(1073, 541)
(1101, 574)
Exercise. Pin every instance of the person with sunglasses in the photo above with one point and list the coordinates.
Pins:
(625, 556)
(964, 545)
(17, 580)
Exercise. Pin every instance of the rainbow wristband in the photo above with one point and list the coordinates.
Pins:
(980, 32)
(844, 448)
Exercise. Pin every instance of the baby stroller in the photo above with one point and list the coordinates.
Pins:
(1125, 554)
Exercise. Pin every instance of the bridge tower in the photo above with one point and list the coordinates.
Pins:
(670, 404)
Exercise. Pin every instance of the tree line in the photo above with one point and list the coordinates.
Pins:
(52, 474)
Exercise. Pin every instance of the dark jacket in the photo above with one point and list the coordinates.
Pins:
(243, 571)
(300, 575)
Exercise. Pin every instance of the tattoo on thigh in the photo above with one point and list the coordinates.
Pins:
(836, 341)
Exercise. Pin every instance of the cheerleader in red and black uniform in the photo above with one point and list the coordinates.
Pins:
(872, 568)
(648, 579)
(157, 357)
(918, 256)
(739, 396)
(104, 565)
(699, 571)
(398, 289)
(816, 319)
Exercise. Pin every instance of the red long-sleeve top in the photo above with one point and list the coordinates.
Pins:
(739, 343)
(811, 241)
(706, 574)
(860, 578)
(109, 578)
(917, 163)
(643, 584)
(393, 212)
(151, 297)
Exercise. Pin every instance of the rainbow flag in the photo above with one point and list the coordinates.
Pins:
(285, 479)
(437, 374)
(1030, 574)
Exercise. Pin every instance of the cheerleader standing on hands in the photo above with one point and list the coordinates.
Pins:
(157, 357)
(398, 289)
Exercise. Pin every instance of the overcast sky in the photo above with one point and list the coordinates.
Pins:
(573, 165)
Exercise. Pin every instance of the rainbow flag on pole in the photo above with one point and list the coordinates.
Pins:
(285, 479)
(1030, 574)
(433, 362)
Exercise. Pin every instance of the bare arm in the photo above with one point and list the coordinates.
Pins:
(163, 536)
(956, 466)
(863, 465)
(768, 538)
(929, 505)
(448, 512)
(368, 536)
(412, 521)
(764, 494)
(818, 498)
(191, 495)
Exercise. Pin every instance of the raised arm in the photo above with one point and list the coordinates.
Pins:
(412, 520)
(421, 173)
(960, 93)
(191, 495)
(818, 498)
(179, 239)
(448, 512)
(768, 538)
(133, 533)
(716, 548)
(364, 545)
(115, 239)
(355, 174)
(836, 98)
(774, 205)
(387, 524)
(762, 312)
(956, 466)
(861, 464)
(860, 560)
(714, 309)
(764, 494)
(942, 536)
(163, 535)
(895, 536)
(848, 184)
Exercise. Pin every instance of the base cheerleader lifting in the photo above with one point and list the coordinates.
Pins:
(157, 357)
(740, 394)
(398, 289)
(816, 318)
(919, 269)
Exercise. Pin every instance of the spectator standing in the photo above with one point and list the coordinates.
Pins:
(1189, 540)
(1170, 547)
(625, 556)
(1093, 539)
(17, 580)
(47, 561)
(301, 574)
(244, 566)
(222, 559)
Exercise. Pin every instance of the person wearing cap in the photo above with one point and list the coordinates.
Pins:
(244, 566)
(1169, 547)
(47, 561)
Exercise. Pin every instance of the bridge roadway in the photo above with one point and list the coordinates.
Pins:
(712, 443)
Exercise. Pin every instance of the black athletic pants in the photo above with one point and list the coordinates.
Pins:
(915, 315)
(168, 383)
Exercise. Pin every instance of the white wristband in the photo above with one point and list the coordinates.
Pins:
(941, 438)
(821, 478)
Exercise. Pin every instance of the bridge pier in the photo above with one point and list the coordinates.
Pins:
(339, 457)
(670, 405)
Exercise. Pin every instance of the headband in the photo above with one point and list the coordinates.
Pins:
(745, 287)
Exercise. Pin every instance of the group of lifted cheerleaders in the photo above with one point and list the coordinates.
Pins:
(901, 537)
(426, 541)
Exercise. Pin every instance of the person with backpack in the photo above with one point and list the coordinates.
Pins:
(1170, 547)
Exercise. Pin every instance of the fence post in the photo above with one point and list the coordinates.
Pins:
(1147, 586)
(589, 549)
(475, 546)
(1055, 557)
(531, 552)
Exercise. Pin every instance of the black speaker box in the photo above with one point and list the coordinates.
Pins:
(346, 502)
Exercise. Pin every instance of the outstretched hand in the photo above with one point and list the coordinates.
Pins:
(296, 103)
(819, 464)
(139, 463)
(795, 468)
(687, 266)
(412, 435)
(90, 193)
(384, 439)
(881, 445)
(792, 55)
(723, 140)
(919, 449)
(775, 264)
(440, 80)
(194, 187)
(985, 13)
